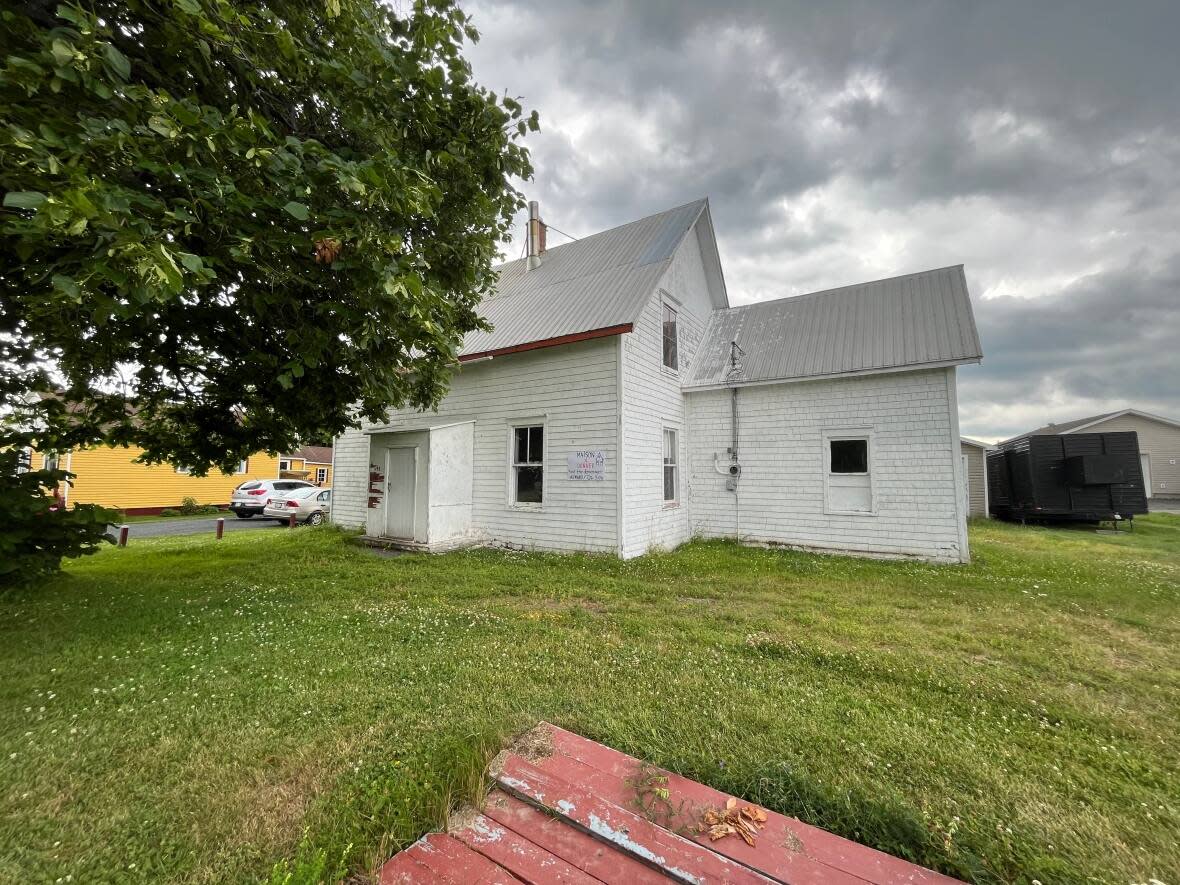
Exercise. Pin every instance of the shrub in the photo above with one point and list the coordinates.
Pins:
(170, 511)
(190, 507)
(38, 529)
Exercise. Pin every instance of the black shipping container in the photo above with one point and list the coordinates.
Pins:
(1072, 476)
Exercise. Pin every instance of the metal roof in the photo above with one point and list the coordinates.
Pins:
(1082, 423)
(920, 319)
(594, 283)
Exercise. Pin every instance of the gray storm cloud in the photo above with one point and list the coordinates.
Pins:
(1037, 144)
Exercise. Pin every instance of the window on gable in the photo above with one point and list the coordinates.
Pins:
(671, 341)
(671, 467)
(528, 464)
(243, 466)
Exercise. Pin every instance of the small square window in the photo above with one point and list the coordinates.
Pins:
(850, 455)
(671, 339)
(528, 468)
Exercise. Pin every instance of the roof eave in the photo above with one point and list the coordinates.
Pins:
(858, 373)
(557, 341)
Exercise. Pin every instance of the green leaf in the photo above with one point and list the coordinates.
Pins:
(24, 199)
(62, 52)
(189, 6)
(190, 261)
(297, 210)
(117, 60)
(67, 285)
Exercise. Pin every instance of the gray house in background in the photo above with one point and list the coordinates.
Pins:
(974, 455)
(1159, 445)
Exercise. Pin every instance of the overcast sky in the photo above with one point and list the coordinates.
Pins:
(1036, 143)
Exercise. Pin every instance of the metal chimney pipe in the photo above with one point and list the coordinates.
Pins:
(536, 235)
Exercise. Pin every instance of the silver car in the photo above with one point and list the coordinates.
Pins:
(249, 498)
(311, 505)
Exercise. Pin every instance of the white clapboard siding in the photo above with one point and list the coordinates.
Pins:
(652, 400)
(780, 496)
(573, 389)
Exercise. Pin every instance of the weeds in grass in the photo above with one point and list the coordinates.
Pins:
(182, 711)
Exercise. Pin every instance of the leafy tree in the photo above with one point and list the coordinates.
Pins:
(38, 531)
(231, 226)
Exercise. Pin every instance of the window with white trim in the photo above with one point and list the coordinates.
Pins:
(671, 338)
(243, 466)
(671, 466)
(849, 481)
(321, 475)
(50, 461)
(528, 464)
(284, 465)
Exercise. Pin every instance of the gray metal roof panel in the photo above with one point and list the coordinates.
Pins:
(593, 283)
(917, 319)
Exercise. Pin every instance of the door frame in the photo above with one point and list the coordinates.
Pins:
(388, 497)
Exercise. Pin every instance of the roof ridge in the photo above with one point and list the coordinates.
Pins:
(834, 289)
(608, 230)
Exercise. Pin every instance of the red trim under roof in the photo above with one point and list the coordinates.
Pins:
(550, 342)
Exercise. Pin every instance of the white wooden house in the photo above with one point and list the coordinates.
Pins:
(621, 405)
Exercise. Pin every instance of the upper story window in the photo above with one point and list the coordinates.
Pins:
(321, 475)
(284, 465)
(243, 467)
(528, 464)
(671, 340)
(50, 461)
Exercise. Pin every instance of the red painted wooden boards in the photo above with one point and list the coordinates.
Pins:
(788, 849)
(569, 815)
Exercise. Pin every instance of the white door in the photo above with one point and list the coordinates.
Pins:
(400, 478)
(1145, 460)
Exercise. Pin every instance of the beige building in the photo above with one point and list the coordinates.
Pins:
(974, 455)
(1159, 445)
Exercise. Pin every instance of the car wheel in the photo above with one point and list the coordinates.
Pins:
(316, 518)
(242, 515)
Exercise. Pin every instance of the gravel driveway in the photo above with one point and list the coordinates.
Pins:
(178, 526)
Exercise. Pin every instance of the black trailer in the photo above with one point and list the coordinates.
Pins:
(1086, 477)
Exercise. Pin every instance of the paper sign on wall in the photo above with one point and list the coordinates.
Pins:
(586, 466)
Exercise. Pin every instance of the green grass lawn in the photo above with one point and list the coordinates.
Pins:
(190, 710)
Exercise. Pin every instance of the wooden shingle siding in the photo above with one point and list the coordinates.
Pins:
(652, 400)
(572, 388)
(780, 496)
(976, 478)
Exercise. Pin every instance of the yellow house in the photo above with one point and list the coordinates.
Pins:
(312, 463)
(110, 476)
